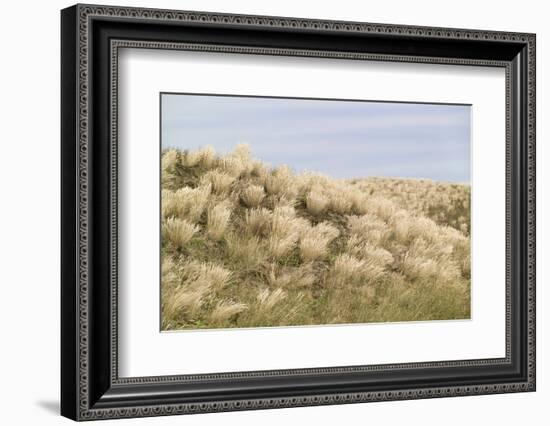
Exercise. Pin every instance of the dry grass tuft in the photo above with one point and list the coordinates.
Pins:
(279, 246)
(258, 221)
(245, 251)
(267, 299)
(186, 202)
(348, 270)
(253, 195)
(313, 243)
(367, 228)
(178, 231)
(316, 202)
(182, 303)
(280, 184)
(224, 310)
(220, 181)
(218, 219)
(169, 160)
(203, 276)
(339, 202)
(204, 157)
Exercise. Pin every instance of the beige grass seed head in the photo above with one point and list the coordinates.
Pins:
(258, 221)
(169, 160)
(316, 202)
(218, 220)
(220, 181)
(314, 241)
(225, 310)
(267, 299)
(178, 231)
(252, 195)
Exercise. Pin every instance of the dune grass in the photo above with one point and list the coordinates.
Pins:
(248, 245)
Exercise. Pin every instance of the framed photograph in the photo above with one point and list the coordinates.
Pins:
(263, 212)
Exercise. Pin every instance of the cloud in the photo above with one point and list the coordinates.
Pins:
(341, 138)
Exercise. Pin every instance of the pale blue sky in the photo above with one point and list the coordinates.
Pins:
(343, 139)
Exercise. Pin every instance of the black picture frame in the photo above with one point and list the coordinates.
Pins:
(90, 386)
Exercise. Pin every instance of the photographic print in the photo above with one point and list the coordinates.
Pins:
(331, 200)
(299, 212)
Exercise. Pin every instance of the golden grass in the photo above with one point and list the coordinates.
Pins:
(253, 195)
(316, 202)
(220, 181)
(224, 310)
(248, 245)
(314, 242)
(218, 219)
(178, 231)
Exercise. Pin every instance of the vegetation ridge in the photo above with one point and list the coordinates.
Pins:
(249, 245)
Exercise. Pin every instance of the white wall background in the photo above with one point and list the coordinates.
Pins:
(29, 225)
